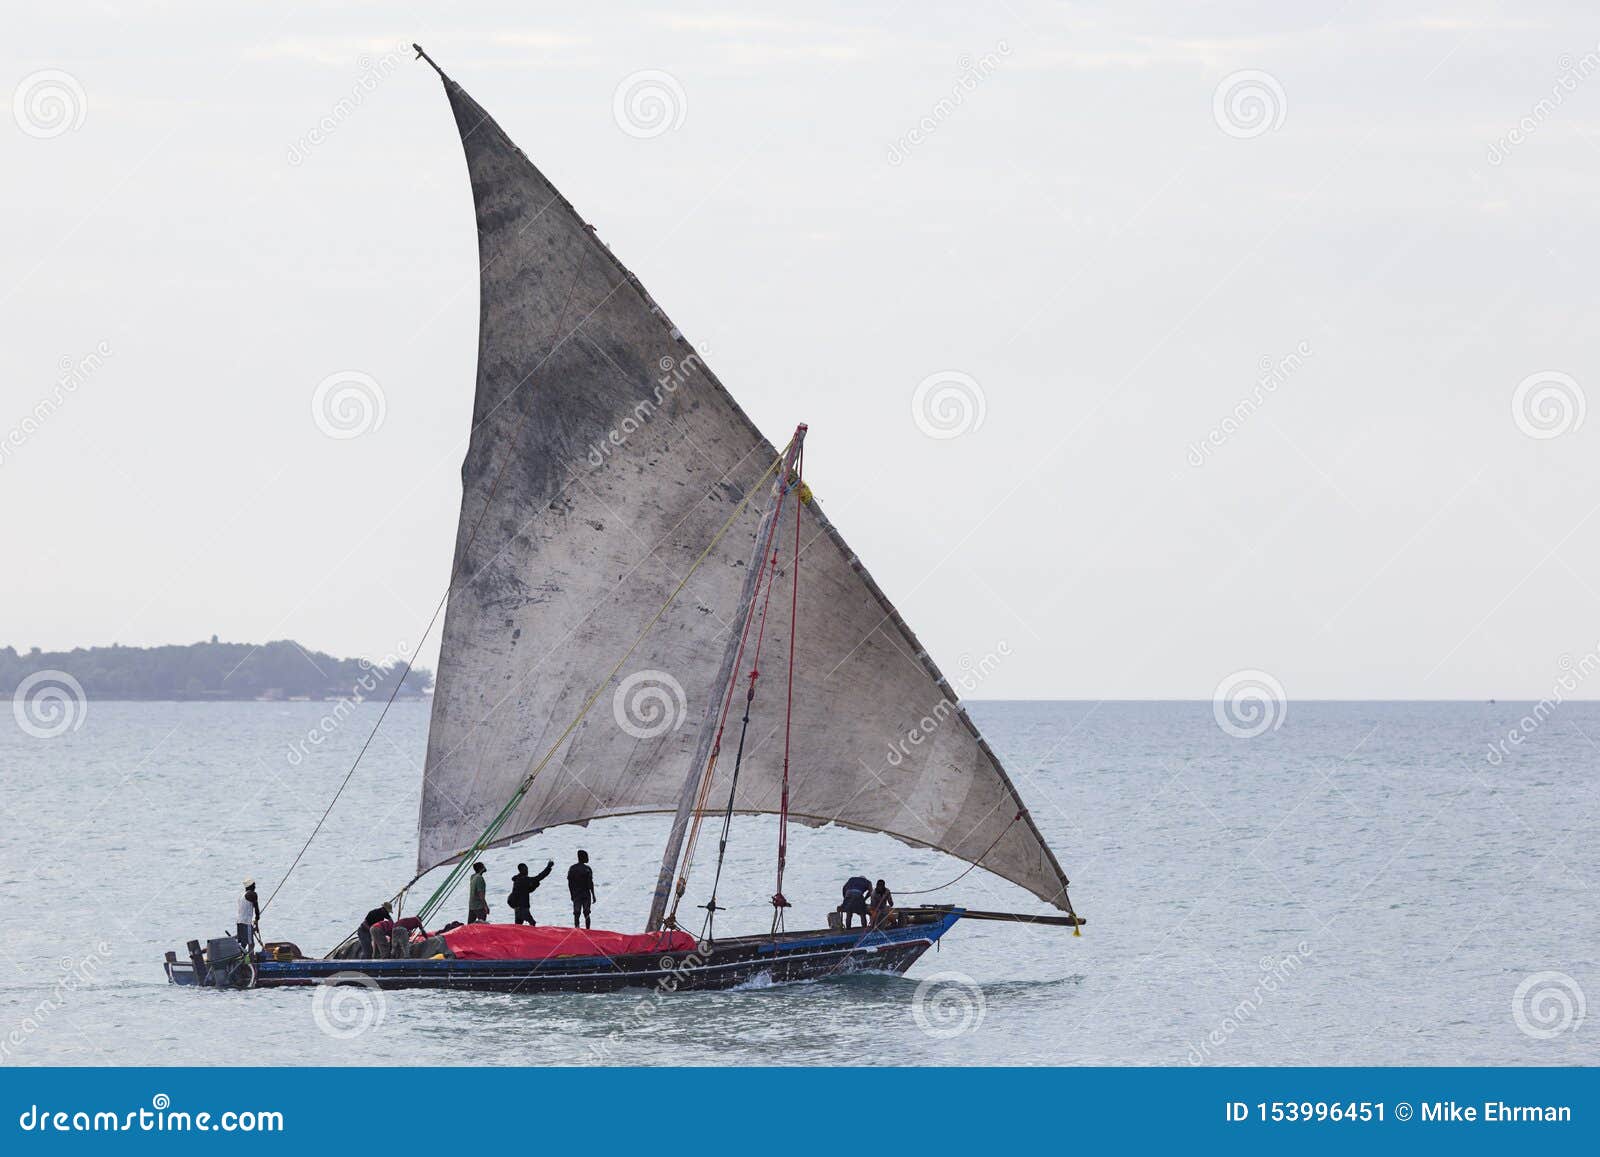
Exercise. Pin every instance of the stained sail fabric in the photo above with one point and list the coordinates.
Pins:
(603, 460)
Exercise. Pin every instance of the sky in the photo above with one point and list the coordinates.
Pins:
(1144, 345)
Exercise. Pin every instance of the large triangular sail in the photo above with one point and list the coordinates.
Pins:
(603, 460)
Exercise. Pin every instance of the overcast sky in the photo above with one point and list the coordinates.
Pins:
(1097, 228)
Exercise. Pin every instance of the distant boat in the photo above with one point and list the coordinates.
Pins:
(639, 575)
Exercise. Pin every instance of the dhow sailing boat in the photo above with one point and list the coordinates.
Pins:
(638, 574)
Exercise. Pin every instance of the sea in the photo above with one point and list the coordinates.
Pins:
(1336, 883)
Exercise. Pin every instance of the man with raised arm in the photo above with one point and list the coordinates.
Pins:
(523, 886)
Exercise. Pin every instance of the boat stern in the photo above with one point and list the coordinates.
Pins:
(180, 971)
(223, 963)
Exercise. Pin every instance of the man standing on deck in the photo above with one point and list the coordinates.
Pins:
(580, 882)
(248, 915)
(523, 886)
(478, 895)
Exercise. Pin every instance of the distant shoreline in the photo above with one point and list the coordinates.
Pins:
(282, 671)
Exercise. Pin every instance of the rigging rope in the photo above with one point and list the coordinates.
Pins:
(974, 864)
(464, 863)
(371, 735)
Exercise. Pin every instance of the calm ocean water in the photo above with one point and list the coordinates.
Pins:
(1363, 885)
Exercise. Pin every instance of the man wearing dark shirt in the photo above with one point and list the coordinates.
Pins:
(882, 905)
(856, 891)
(364, 933)
(523, 887)
(580, 882)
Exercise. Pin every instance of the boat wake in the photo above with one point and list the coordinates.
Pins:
(869, 982)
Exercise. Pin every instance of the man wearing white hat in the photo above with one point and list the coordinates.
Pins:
(249, 915)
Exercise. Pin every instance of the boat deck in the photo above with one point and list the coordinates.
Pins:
(723, 964)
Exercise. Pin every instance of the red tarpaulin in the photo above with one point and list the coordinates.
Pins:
(520, 942)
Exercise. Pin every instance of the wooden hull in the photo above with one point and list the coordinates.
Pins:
(725, 964)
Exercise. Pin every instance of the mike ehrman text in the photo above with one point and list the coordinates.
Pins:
(1492, 1111)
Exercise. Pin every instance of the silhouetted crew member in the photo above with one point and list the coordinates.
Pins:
(382, 939)
(882, 905)
(364, 932)
(478, 895)
(856, 890)
(523, 886)
(249, 914)
(580, 882)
